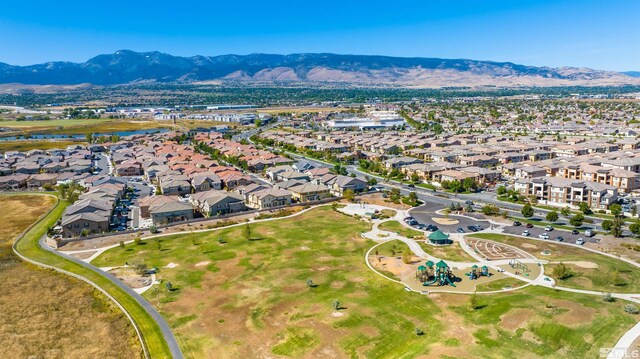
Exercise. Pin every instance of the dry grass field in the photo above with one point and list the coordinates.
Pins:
(49, 315)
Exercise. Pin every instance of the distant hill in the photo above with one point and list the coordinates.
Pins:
(126, 66)
(632, 73)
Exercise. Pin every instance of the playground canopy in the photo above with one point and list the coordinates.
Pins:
(438, 237)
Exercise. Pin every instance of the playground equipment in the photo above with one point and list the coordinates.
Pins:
(516, 264)
(438, 274)
(475, 273)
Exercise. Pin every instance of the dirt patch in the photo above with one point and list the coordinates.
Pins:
(202, 264)
(584, 264)
(516, 318)
(171, 265)
(130, 278)
(393, 265)
(337, 314)
(529, 245)
(83, 255)
(576, 313)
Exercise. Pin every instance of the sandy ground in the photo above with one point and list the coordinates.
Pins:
(377, 199)
(584, 264)
(130, 278)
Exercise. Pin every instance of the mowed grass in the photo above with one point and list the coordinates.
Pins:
(598, 279)
(451, 252)
(397, 227)
(35, 144)
(250, 298)
(47, 314)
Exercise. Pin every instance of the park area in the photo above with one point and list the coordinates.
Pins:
(299, 287)
(49, 315)
(586, 270)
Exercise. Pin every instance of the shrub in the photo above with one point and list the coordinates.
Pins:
(631, 309)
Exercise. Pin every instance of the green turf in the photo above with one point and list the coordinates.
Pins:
(591, 279)
(397, 227)
(259, 284)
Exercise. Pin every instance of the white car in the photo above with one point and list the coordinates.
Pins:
(526, 233)
(548, 228)
(580, 241)
(544, 236)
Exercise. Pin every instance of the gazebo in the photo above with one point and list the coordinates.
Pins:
(438, 237)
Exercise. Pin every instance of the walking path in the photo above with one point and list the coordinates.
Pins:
(621, 347)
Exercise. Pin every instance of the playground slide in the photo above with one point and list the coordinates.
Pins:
(449, 281)
(434, 281)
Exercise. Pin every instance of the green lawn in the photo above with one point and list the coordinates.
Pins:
(397, 227)
(242, 297)
(452, 252)
(28, 246)
(600, 279)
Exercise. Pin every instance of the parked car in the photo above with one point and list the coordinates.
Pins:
(432, 228)
(529, 225)
(559, 239)
(589, 233)
(548, 228)
(517, 223)
(544, 236)
(468, 202)
(580, 241)
(411, 185)
(526, 233)
(472, 228)
(575, 231)
(460, 230)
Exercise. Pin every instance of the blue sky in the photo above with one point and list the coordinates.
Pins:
(597, 34)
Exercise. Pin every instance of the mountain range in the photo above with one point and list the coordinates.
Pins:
(127, 66)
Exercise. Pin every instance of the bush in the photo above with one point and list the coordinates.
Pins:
(562, 272)
(631, 309)
(153, 229)
(609, 298)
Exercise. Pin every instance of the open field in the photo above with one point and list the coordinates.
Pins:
(600, 278)
(28, 247)
(81, 127)
(35, 144)
(49, 315)
(397, 227)
(238, 297)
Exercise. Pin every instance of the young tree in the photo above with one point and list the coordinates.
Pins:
(562, 272)
(577, 220)
(169, 286)
(335, 304)
(635, 228)
(616, 228)
(310, 283)
(406, 257)
(527, 211)
(607, 224)
(415, 178)
(474, 303)
(121, 244)
(552, 216)
(349, 195)
(247, 232)
(566, 211)
(584, 208)
(501, 190)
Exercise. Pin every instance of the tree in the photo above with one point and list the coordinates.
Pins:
(562, 272)
(415, 178)
(501, 190)
(169, 286)
(635, 228)
(584, 208)
(406, 257)
(615, 209)
(121, 244)
(455, 186)
(469, 208)
(609, 298)
(310, 283)
(469, 184)
(607, 224)
(335, 304)
(411, 199)
(474, 303)
(372, 181)
(349, 195)
(616, 228)
(527, 211)
(577, 220)
(552, 216)
(566, 211)
(247, 232)
(490, 210)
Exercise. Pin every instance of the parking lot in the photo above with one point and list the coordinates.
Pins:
(535, 232)
(426, 215)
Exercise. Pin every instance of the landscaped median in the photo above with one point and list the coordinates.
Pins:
(27, 246)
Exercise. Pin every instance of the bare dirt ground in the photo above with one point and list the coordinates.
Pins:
(129, 277)
(377, 199)
(49, 315)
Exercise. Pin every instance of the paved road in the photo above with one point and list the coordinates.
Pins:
(424, 214)
(176, 353)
